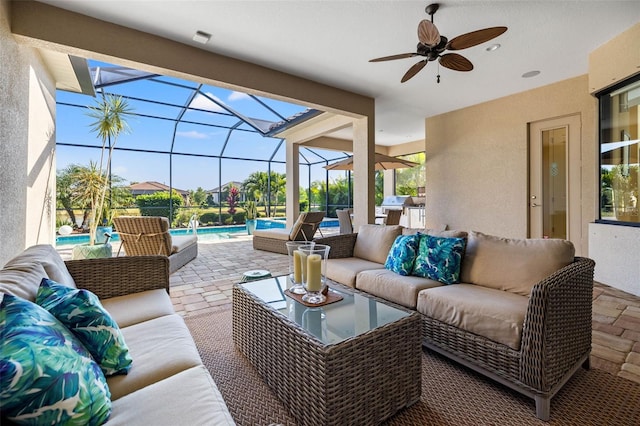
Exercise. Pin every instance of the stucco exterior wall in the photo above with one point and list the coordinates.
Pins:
(477, 159)
(616, 248)
(27, 144)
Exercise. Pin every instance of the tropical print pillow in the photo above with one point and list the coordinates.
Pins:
(403, 254)
(439, 258)
(46, 375)
(82, 313)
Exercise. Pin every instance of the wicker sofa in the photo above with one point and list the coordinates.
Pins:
(167, 383)
(520, 315)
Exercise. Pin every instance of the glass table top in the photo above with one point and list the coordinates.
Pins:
(354, 315)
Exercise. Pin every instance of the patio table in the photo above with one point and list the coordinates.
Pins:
(355, 361)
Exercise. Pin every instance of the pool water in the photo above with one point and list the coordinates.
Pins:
(205, 234)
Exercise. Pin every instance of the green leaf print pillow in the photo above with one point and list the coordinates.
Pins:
(46, 375)
(82, 313)
(440, 258)
(403, 254)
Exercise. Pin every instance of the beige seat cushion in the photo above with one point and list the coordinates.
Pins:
(193, 390)
(374, 242)
(159, 348)
(514, 265)
(278, 234)
(388, 285)
(495, 314)
(138, 307)
(180, 242)
(346, 269)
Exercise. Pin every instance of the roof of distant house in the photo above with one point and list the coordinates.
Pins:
(153, 186)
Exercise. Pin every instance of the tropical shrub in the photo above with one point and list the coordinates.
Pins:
(157, 204)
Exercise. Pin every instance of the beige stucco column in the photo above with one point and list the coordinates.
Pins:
(363, 171)
(293, 182)
(389, 184)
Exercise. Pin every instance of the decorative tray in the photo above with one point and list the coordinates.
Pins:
(332, 296)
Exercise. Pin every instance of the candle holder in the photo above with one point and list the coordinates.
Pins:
(314, 278)
(295, 265)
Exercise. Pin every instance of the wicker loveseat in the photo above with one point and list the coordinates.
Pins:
(521, 314)
(167, 384)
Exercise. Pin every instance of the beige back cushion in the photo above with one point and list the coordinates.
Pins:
(22, 280)
(21, 276)
(374, 242)
(451, 233)
(514, 265)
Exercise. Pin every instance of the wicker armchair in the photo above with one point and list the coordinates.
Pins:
(275, 240)
(556, 336)
(149, 235)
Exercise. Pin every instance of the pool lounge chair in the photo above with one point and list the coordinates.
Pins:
(303, 229)
(149, 236)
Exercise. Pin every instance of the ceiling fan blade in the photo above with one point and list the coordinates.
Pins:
(415, 69)
(428, 34)
(455, 62)
(474, 38)
(392, 57)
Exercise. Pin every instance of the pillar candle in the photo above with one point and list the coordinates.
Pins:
(303, 266)
(314, 276)
(297, 267)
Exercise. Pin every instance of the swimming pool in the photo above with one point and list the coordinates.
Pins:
(205, 234)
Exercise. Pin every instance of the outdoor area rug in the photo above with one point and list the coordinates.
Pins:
(451, 394)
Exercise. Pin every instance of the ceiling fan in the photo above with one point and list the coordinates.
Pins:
(432, 46)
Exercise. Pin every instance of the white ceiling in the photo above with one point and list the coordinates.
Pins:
(331, 42)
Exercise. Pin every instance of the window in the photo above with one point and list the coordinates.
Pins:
(619, 152)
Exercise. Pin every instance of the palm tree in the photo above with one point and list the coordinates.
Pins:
(256, 186)
(110, 120)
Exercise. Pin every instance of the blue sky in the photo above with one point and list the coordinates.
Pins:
(154, 134)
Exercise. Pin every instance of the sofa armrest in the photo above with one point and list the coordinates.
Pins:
(118, 276)
(557, 326)
(341, 245)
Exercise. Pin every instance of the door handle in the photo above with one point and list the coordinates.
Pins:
(535, 205)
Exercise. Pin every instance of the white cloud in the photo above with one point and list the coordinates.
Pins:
(237, 96)
(119, 170)
(192, 134)
(206, 104)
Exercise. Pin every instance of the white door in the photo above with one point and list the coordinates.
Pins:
(554, 179)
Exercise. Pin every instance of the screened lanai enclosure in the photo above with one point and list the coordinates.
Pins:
(212, 148)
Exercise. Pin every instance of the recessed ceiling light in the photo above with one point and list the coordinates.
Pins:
(493, 47)
(530, 74)
(201, 37)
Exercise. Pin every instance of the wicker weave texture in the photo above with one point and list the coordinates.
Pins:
(119, 276)
(269, 244)
(341, 245)
(363, 380)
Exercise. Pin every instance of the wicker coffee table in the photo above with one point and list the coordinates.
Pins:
(356, 361)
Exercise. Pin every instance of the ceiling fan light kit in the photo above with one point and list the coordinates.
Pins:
(432, 45)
